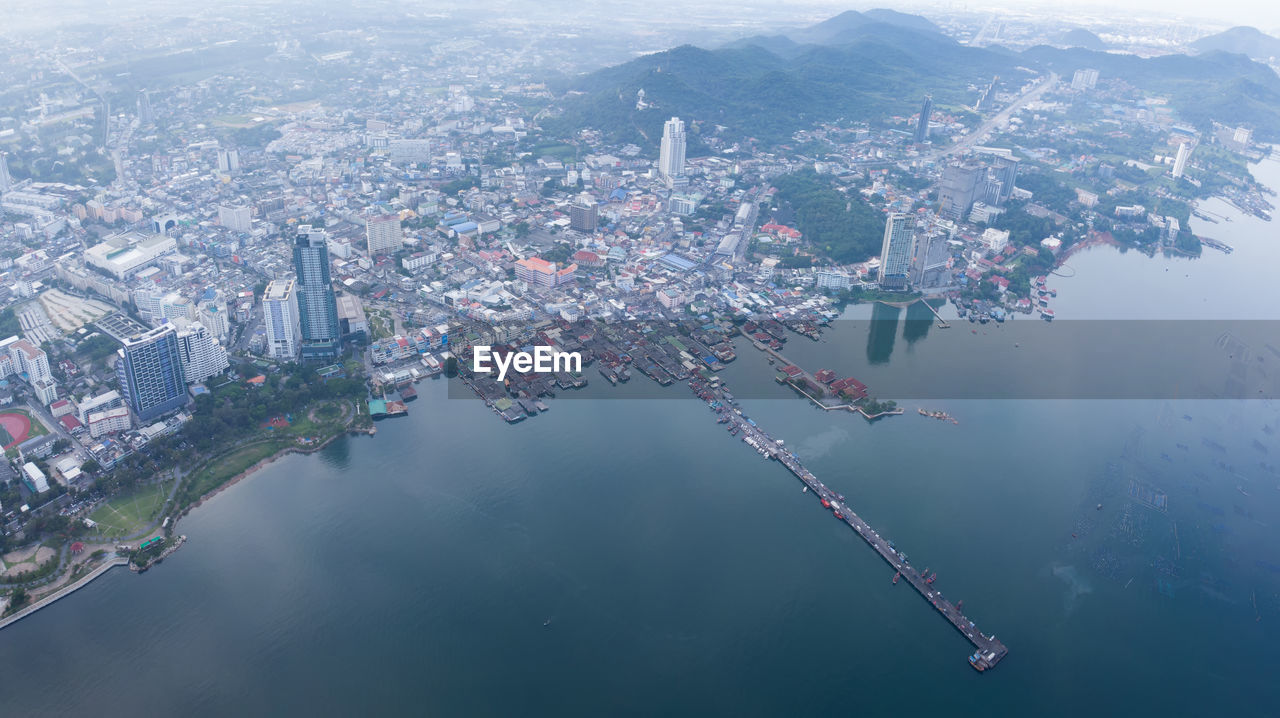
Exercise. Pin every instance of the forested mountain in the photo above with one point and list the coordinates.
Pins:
(872, 66)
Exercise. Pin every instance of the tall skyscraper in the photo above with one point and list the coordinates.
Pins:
(201, 354)
(960, 186)
(922, 124)
(896, 252)
(280, 310)
(671, 156)
(145, 115)
(383, 235)
(317, 306)
(149, 367)
(1004, 168)
(1180, 162)
(928, 268)
(6, 179)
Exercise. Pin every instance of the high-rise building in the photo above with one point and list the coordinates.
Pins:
(1003, 173)
(384, 235)
(583, 215)
(280, 310)
(19, 356)
(896, 251)
(922, 124)
(317, 306)
(201, 354)
(1084, 79)
(145, 114)
(1180, 162)
(236, 219)
(213, 315)
(29, 359)
(960, 186)
(931, 256)
(671, 156)
(149, 368)
(228, 160)
(6, 179)
(45, 390)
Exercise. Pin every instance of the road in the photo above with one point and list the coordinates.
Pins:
(1000, 119)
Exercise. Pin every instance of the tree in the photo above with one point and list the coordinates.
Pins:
(451, 367)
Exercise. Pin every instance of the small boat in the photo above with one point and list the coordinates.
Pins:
(896, 576)
(547, 622)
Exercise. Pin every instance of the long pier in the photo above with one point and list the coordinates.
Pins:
(989, 651)
(942, 323)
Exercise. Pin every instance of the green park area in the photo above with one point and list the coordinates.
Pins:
(130, 513)
(221, 469)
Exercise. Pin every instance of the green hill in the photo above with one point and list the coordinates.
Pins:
(836, 31)
(877, 70)
(1080, 37)
(1243, 40)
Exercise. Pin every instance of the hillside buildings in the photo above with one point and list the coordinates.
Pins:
(1084, 79)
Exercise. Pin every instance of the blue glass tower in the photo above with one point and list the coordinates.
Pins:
(149, 368)
(317, 306)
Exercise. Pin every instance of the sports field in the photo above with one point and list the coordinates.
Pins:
(125, 515)
(15, 428)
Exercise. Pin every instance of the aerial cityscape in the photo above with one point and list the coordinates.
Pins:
(369, 358)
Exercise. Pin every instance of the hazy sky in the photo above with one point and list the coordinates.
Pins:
(1263, 14)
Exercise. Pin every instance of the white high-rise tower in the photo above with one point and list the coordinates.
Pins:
(6, 180)
(1180, 162)
(671, 158)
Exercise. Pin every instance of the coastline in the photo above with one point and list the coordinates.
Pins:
(262, 463)
(114, 561)
(64, 591)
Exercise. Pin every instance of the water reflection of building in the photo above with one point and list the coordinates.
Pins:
(883, 332)
(916, 326)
